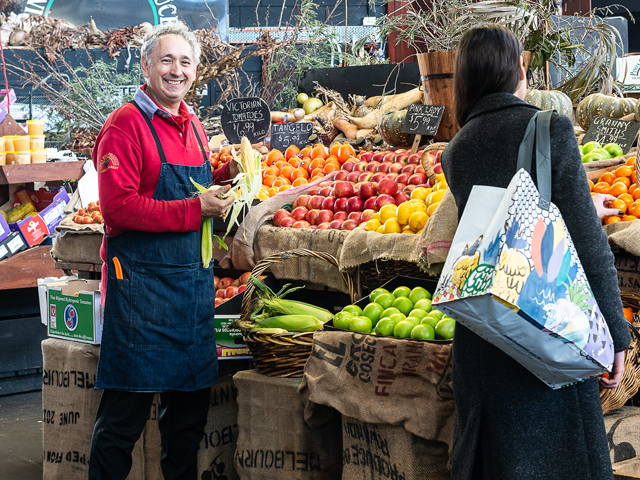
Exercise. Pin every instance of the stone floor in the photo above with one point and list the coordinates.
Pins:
(21, 436)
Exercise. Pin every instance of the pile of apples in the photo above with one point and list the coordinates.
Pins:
(227, 287)
(361, 188)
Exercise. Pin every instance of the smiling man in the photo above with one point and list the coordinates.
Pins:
(158, 305)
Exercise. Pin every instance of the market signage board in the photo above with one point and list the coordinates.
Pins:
(628, 72)
(612, 130)
(226, 345)
(246, 117)
(285, 134)
(423, 119)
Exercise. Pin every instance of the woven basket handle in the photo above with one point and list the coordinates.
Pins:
(265, 263)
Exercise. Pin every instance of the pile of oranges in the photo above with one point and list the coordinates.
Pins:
(621, 183)
(295, 167)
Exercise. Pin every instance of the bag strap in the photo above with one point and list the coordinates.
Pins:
(540, 124)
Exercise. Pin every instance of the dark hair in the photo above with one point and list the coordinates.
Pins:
(488, 61)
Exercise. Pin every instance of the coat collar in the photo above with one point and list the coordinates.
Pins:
(495, 102)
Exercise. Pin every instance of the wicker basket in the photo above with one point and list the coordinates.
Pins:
(282, 355)
(630, 384)
(373, 274)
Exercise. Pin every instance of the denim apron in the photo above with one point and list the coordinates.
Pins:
(158, 320)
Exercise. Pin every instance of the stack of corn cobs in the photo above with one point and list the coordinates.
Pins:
(272, 313)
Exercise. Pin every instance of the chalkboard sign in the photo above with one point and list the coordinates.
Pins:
(612, 130)
(246, 117)
(423, 119)
(285, 134)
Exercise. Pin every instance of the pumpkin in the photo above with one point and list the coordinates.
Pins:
(599, 105)
(550, 100)
(636, 112)
(390, 129)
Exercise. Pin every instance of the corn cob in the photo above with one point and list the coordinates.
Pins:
(291, 323)
(260, 329)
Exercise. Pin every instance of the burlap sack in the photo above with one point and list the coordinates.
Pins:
(435, 241)
(241, 253)
(68, 225)
(272, 240)
(626, 236)
(364, 247)
(71, 247)
(382, 380)
(378, 452)
(623, 433)
(274, 442)
(69, 407)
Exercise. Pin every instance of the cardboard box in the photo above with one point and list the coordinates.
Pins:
(41, 198)
(11, 245)
(226, 345)
(33, 229)
(4, 228)
(74, 311)
(54, 212)
(43, 299)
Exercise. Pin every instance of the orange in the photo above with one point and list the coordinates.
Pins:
(319, 152)
(294, 162)
(304, 163)
(283, 188)
(316, 177)
(306, 151)
(315, 163)
(299, 172)
(280, 181)
(623, 171)
(611, 219)
(624, 180)
(335, 148)
(273, 156)
(607, 177)
(626, 198)
(299, 181)
(272, 191)
(632, 188)
(619, 204)
(331, 158)
(286, 171)
(345, 152)
(590, 185)
(273, 170)
(617, 188)
(330, 167)
(601, 187)
(291, 151)
(268, 180)
(628, 218)
(317, 172)
(281, 163)
(634, 208)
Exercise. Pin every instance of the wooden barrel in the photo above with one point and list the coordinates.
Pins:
(436, 70)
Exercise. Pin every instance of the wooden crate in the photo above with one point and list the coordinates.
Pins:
(627, 470)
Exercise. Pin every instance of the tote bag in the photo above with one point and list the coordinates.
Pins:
(513, 276)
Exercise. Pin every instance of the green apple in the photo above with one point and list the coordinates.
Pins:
(378, 291)
(614, 150)
(419, 293)
(373, 312)
(388, 312)
(360, 324)
(591, 157)
(355, 310)
(385, 327)
(385, 299)
(343, 320)
(424, 304)
(604, 155)
(445, 328)
(423, 332)
(587, 147)
(403, 304)
(403, 329)
(418, 313)
(401, 292)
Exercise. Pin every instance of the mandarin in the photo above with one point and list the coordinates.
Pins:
(624, 180)
(611, 219)
(286, 171)
(268, 180)
(319, 151)
(299, 172)
(632, 187)
(335, 148)
(299, 181)
(629, 218)
(607, 177)
(291, 151)
(634, 208)
(273, 156)
(626, 198)
(617, 188)
(623, 171)
(601, 187)
(590, 185)
(619, 204)
(330, 168)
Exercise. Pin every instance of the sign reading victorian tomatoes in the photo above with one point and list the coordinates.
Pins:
(127, 13)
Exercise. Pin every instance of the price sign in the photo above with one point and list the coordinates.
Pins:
(612, 130)
(285, 134)
(423, 119)
(246, 117)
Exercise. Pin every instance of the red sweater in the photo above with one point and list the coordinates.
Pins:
(126, 158)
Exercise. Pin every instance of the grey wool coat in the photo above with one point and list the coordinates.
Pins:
(508, 424)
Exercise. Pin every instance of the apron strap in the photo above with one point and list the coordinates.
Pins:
(195, 131)
(163, 157)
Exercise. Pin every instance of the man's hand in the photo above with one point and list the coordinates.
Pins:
(616, 372)
(211, 205)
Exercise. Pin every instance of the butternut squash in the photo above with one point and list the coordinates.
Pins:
(349, 129)
(398, 102)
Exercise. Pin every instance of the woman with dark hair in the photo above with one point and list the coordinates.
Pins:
(508, 424)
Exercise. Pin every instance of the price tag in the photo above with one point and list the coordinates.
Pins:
(285, 134)
(612, 130)
(246, 117)
(423, 119)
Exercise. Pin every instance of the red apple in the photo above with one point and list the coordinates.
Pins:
(324, 226)
(230, 291)
(302, 201)
(357, 216)
(348, 165)
(367, 215)
(315, 202)
(220, 293)
(336, 224)
(299, 213)
(414, 159)
(401, 186)
(438, 158)
(241, 289)
(366, 156)
(340, 204)
(377, 156)
(356, 189)
(244, 278)
(353, 176)
(325, 184)
(324, 216)
(218, 301)
(236, 282)
(279, 215)
(360, 166)
(377, 177)
(343, 189)
(417, 178)
(437, 169)
(312, 227)
(371, 167)
(401, 197)
(370, 203)
(383, 200)
(312, 217)
(301, 224)
(341, 215)
(396, 168)
(326, 192)
(367, 189)
(287, 222)
(387, 186)
(402, 158)
(355, 204)
(384, 167)
(410, 169)
(392, 176)
(410, 188)
(341, 174)
(349, 225)
(225, 282)
(390, 157)
(419, 169)
(365, 177)
(216, 280)
(328, 203)
(403, 178)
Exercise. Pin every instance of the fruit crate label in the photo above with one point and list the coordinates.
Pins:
(285, 134)
(226, 344)
(423, 119)
(612, 130)
(246, 117)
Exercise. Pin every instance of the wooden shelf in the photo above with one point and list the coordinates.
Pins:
(41, 172)
(23, 269)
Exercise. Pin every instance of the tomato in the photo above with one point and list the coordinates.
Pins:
(87, 220)
(92, 207)
(224, 158)
(98, 219)
(95, 213)
(82, 211)
(78, 219)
